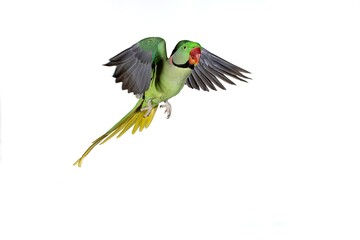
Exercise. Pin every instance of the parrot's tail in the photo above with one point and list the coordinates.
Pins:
(134, 118)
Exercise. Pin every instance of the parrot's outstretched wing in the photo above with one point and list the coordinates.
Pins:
(210, 69)
(135, 65)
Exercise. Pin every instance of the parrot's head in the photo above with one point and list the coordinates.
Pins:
(186, 54)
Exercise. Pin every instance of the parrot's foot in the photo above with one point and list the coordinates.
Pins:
(168, 108)
(138, 96)
(148, 108)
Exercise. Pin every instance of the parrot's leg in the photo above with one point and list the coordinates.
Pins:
(167, 107)
(148, 108)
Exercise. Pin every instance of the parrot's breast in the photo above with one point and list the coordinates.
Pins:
(172, 80)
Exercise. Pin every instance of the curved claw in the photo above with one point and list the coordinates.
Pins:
(168, 109)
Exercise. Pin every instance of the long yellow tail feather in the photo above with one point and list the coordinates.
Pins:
(134, 118)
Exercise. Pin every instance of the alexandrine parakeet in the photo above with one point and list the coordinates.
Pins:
(145, 70)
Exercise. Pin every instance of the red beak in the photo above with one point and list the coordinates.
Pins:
(195, 56)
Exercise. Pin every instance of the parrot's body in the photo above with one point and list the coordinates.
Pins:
(145, 70)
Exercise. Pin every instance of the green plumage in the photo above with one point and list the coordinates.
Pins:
(145, 70)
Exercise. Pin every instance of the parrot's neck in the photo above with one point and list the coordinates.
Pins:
(172, 79)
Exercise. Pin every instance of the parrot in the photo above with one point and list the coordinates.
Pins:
(145, 70)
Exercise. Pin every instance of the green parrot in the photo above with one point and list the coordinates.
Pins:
(145, 70)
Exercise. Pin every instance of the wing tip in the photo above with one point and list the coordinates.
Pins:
(109, 64)
(244, 71)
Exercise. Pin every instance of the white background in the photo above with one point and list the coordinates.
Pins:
(277, 158)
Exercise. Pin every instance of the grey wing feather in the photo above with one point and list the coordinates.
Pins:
(133, 69)
(134, 66)
(210, 69)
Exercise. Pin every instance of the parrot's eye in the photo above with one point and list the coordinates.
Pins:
(184, 47)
